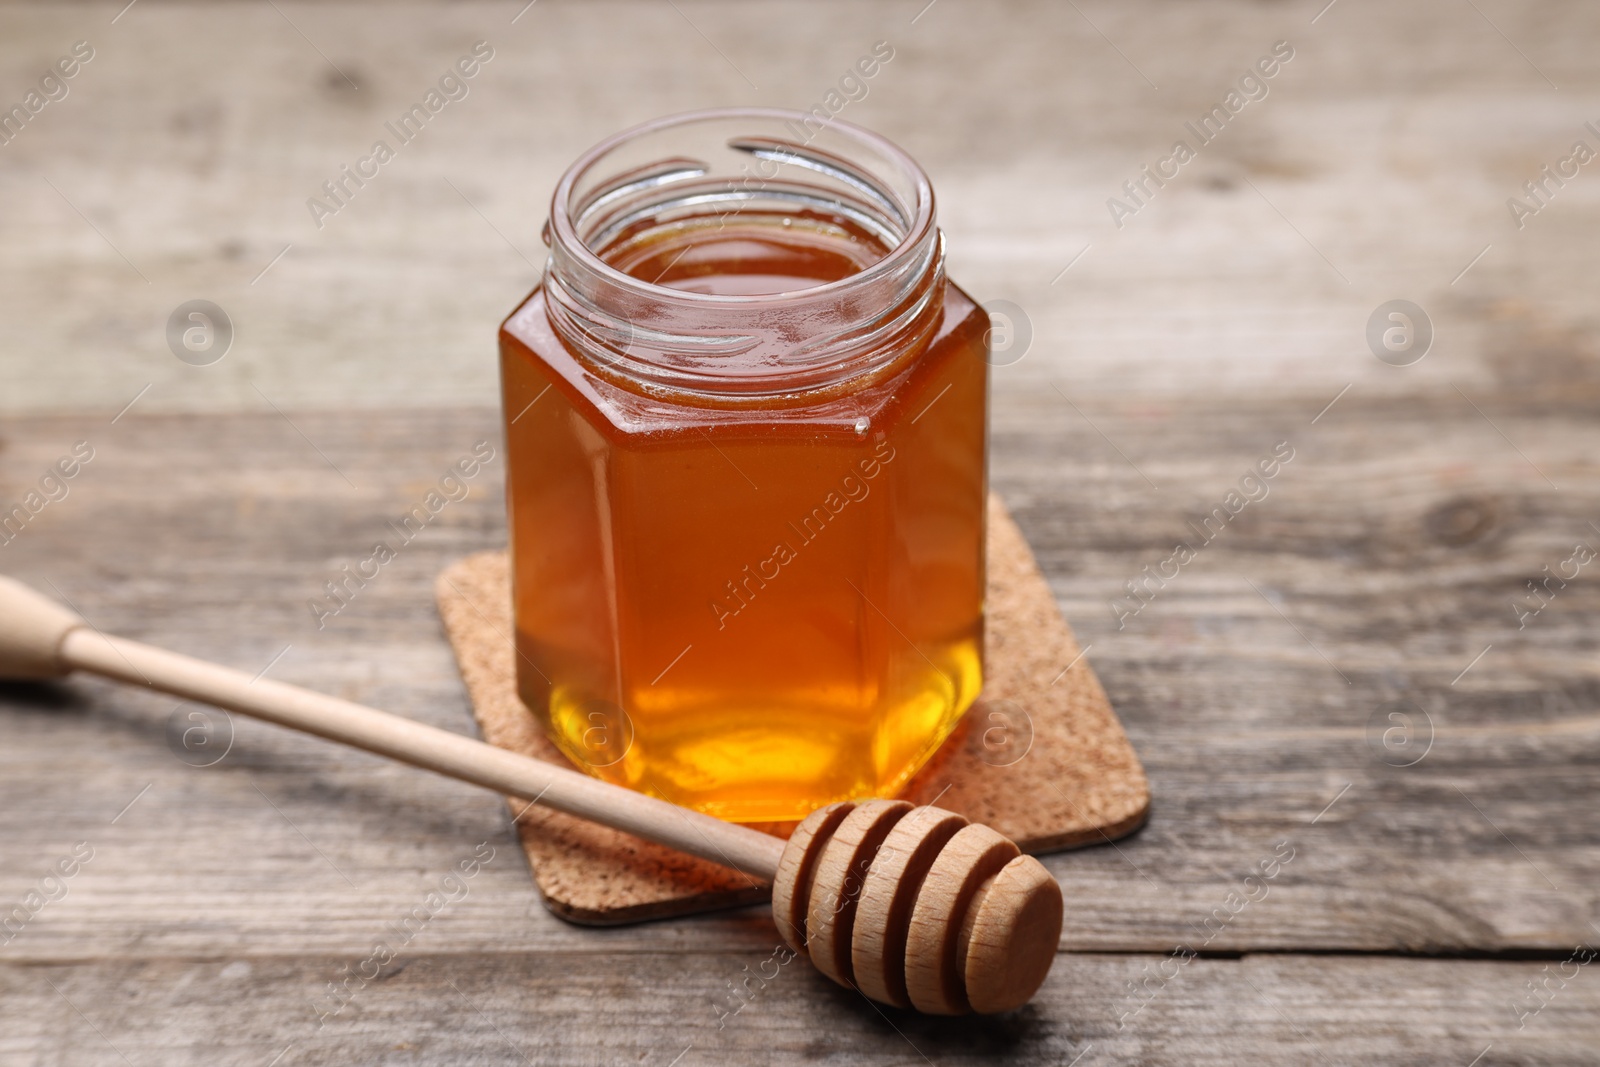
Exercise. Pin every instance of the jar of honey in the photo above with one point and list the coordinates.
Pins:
(746, 417)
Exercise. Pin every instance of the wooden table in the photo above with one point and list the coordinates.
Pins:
(1338, 682)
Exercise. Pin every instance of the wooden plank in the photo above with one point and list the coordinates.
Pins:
(1219, 321)
(1258, 684)
(1374, 169)
(211, 534)
(598, 1007)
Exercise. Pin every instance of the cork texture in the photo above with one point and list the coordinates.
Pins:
(1041, 757)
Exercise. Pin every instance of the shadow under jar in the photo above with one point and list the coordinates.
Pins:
(746, 422)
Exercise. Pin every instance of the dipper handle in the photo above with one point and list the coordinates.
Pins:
(911, 906)
(41, 639)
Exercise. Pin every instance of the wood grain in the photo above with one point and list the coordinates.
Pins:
(1247, 732)
(1378, 167)
(1259, 685)
(587, 1007)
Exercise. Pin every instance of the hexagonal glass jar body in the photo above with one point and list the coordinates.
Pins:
(746, 422)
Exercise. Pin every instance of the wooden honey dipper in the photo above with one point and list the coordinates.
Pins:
(912, 906)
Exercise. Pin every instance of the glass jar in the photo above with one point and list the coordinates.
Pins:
(746, 423)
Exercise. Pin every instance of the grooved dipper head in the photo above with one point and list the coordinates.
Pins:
(916, 907)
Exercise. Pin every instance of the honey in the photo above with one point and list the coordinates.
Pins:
(746, 423)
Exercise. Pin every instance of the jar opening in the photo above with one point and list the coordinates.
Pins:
(756, 253)
(740, 255)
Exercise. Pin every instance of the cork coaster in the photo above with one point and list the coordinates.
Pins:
(1041, 757)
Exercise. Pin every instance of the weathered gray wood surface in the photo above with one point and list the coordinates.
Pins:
(209, 534)
(1257, 685)
(593, 1006)
(1377, 167)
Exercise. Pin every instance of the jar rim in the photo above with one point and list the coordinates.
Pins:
(565, 231)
